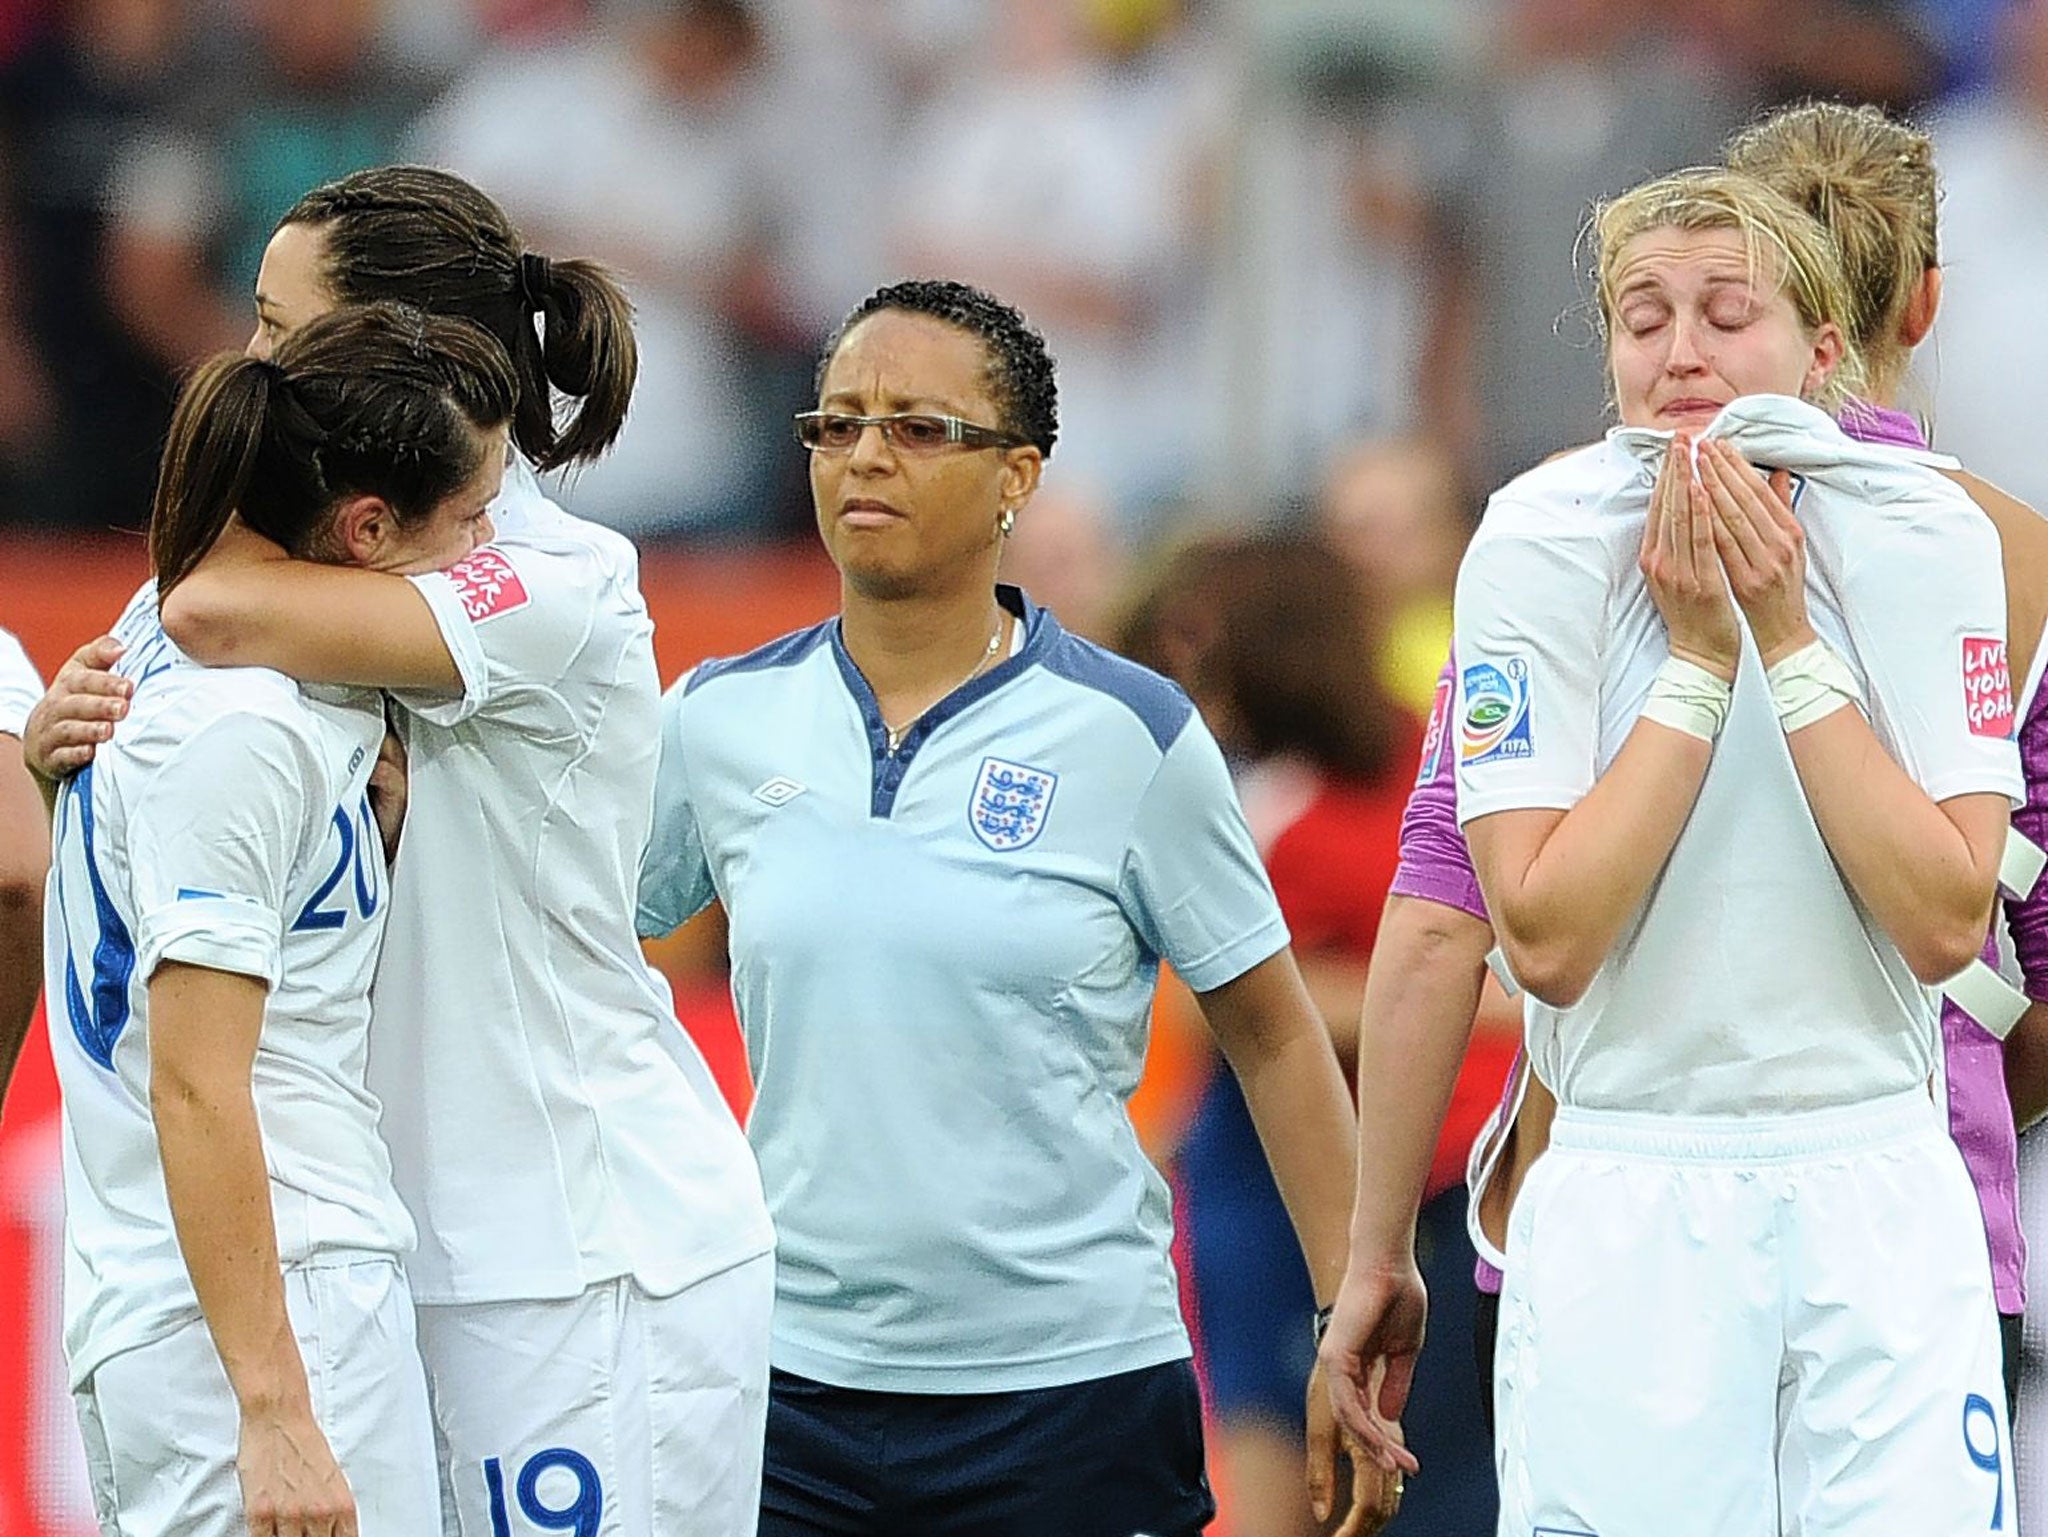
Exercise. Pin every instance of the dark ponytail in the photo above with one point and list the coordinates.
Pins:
(428, 238)
(215, 438)
(587, 352)
(369, 400)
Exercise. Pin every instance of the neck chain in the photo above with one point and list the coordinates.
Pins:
(895, 733)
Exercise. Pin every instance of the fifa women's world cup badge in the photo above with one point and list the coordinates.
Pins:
(1007, 809)
(1496, 720)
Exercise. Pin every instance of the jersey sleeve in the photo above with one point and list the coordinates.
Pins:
(212, 852)
(514, 618)
(1191, 880)
(20, 687)
(675, 876)
(1435, 863)
(1933, 651)
(1530, 609)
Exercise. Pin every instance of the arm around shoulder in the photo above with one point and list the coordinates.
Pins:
(248, 604)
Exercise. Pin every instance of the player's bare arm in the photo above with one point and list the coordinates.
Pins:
(24, 860)
(1421, 995)
(1562, 884)
(1928, 872)
(1268, 1029)
(249, 604)
(204, 1026)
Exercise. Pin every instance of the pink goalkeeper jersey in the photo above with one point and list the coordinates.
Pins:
(1436, 865)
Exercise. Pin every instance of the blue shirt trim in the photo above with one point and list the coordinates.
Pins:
(98, 1021)
(1041, 631)
(786, 651)
(1159, 704)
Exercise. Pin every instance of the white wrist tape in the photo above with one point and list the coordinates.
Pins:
(1497, 963)
(1811, 684)
(1688, 698)
(1987, 998)
(2021, 865)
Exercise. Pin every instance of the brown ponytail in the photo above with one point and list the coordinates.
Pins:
(208, 460)
(369, 400)
(428, 238)
(588, 352)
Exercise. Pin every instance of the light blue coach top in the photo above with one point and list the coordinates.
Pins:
(943, 960)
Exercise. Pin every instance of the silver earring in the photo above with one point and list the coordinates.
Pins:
(1008, 521)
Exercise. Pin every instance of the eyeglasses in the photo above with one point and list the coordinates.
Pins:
(908, 432)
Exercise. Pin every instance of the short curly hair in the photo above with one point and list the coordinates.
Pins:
(1020, 369)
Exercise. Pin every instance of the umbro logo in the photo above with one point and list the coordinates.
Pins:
(777, 791)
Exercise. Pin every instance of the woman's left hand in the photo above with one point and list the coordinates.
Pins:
(1375, 1490)
(1762, 548)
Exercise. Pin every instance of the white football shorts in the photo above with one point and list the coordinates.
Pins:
(612, 1413)
(1751, 1327)
(161, 1428)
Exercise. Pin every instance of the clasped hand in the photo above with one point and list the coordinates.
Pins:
(1719, 536)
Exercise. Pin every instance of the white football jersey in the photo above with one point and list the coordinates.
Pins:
(1752, 979)
(225, 825)
(550, 1123)
(20, 688)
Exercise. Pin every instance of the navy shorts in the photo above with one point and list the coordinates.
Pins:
(1107, 1458)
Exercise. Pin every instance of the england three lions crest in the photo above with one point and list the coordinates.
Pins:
(1008, 806)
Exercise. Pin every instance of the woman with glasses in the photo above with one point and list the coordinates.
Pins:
(954, 843)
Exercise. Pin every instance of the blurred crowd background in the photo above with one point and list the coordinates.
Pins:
(1311, 270)
(1259, 234)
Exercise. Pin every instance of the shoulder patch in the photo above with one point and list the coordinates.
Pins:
(1987, 686)
(1496, 723)
(488, 585)
(1159, 704)
(785, 651)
